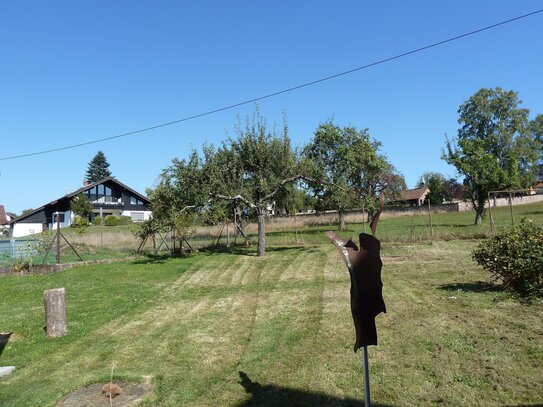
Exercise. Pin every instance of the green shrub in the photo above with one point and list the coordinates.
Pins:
(79, 222)
(111, 220)
(515, 256)
(125, 220)
(97, 221)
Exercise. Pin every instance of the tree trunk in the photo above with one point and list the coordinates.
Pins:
(341, 219)
(261, 251)
(56, 322)
(479, 207)
(478, 217)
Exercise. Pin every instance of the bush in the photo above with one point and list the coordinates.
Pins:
(515, 256)
(97, 221)
(125, 220)
(111, 220)
(79, 222)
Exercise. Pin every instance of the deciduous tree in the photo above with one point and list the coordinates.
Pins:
(252, 169)
(348, 169)
(485, 150)
(434, 181)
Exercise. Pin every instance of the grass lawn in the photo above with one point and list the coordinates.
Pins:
(228, 328)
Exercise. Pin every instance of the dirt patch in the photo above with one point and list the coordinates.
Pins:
(92, 396)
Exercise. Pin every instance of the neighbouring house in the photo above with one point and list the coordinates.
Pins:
(108, 197)
(414, 197)
(5, 218)
(537, 188)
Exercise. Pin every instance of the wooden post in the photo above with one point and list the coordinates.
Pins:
(295, 226)
(511, 209)
(364, 217)
(56, 321)
(227, 233)
(430, 218)
(492, 226)
(58, 238)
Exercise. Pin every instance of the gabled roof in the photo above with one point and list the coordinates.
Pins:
(83, 189)
(410, 194)
(87, 187)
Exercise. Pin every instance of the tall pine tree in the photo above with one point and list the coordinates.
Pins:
(98, 168)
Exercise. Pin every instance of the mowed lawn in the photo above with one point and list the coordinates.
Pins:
(231, 329)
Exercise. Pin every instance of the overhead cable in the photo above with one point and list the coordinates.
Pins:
(270, 95)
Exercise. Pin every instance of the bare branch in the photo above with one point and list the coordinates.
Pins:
(189, 207)
(282, 184)
(235, 198)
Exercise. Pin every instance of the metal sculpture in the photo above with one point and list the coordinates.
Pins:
(367, 302)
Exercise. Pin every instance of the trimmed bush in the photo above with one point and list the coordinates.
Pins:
(97, 221)
(111, 220)
(125, 220)
(515, 256)
(79, 222)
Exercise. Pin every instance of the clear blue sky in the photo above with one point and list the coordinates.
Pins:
(71, 72)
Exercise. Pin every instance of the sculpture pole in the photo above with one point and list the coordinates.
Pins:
(367, 401)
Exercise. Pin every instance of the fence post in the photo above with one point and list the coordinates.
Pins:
(492, 226)
(511, 209)
(430, 218)
(58, 238)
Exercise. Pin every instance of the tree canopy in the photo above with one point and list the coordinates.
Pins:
(486, 150)
(81, 206)
(249, 170)
(434, 181)
(536, 133)
(98, 168)
(347, 169)
(253, 168)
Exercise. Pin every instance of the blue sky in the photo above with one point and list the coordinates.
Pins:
(71, 72)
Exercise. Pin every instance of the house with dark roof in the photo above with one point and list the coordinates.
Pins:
(108, 197)
(5, 218)
(415, 196)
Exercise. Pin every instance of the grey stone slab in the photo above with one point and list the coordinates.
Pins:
(4, 370)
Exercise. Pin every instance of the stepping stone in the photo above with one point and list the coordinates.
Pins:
(4, 370)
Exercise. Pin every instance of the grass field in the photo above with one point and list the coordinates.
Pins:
(228, 328)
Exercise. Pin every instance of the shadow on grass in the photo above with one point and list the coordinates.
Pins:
(453, 225)
(476, 287)
(271, 395)
(150, 258)
(4, 339)
(313, 231)
(533, 213)
(249, 250)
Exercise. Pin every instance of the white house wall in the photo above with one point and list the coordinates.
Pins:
(68, 217)
(146, 214)
(25, 229)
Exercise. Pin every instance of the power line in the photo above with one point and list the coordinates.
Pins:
(270, 95)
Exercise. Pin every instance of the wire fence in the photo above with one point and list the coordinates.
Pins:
(406, 225)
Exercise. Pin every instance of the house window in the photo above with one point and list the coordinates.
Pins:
(60, 216)
(100, 193)
(135, 201)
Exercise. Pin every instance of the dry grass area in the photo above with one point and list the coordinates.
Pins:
(233, 329)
